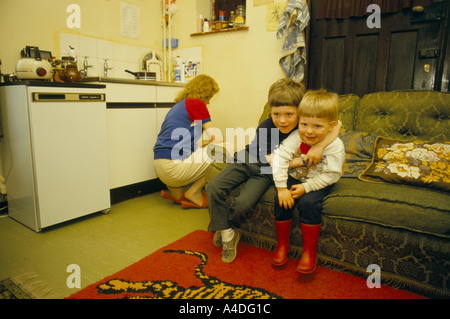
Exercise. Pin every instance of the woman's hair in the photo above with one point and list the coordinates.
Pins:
(286, 92)
(320, 103)
(201, 87)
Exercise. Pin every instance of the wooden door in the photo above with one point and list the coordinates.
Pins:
(407, 52)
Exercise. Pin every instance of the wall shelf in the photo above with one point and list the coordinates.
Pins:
(243, 28)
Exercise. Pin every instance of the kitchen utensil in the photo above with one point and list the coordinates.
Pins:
(150, 56)
(71, 74)
(149, 76)
(7, 78)
(32, 67)
(154, 65)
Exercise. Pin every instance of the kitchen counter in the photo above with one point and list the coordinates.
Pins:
(135, 111)
(55, 84)
(129, 81)
(92, 82)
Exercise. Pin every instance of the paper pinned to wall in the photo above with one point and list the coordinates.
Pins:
(273, 15)
(257, 3)
(129, 20)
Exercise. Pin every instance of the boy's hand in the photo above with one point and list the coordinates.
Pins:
(269, 158)
(296, 162)
(297, 191)
(285, 198)
(206, 142)
(314, 156)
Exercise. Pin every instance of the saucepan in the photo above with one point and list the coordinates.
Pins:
(149, 76)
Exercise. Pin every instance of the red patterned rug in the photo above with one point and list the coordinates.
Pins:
(191, 268)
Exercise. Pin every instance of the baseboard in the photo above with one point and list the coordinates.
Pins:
(3, 208)
(123, 193)
(119, 194)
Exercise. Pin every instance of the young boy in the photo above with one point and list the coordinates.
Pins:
(306, 189)
(251, 173)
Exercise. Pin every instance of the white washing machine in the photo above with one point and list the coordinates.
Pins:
(55, 156)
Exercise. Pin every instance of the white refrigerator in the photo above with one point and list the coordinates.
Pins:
(55, 156)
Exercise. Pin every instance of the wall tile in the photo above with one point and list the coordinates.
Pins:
(105, 49)
(88, 47)
(66, 40)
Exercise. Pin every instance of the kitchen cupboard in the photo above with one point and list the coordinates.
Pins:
(135, 113)
(131, 137)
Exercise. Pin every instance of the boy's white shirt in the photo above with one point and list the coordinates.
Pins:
(326, 173)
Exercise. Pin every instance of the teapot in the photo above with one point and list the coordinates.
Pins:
(71, 74)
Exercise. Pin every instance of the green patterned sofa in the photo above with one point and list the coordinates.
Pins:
(402, 228)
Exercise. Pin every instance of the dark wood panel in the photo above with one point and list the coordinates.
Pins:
(381, 59)
(365, 62)
(333, 64)
(402, 58)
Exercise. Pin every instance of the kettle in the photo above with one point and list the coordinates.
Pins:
(33, 67)
(71, 74)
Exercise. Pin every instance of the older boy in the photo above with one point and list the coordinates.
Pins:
(306, 189)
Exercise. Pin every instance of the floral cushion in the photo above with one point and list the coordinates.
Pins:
(416, 163)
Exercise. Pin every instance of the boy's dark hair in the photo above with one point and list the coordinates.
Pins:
(286, 92)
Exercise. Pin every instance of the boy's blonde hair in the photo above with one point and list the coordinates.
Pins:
(286, 92)
(201, 87)
(320, 103)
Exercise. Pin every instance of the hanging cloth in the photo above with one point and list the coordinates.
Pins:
(292, 24)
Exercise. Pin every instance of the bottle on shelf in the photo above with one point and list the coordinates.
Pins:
(240, 16)
(231, 22)
(205, 26)
(177, 70)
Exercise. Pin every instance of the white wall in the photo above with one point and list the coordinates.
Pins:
(244, 63)
(40, 23)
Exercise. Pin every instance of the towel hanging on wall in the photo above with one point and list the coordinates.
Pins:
(292, 24)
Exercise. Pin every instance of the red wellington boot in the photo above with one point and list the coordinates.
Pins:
(283, 235)
(308, 261)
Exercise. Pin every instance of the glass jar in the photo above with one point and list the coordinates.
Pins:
(240, 11)
(240, 16)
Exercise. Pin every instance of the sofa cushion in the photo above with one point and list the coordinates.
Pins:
(411, 115)
(358, 151)
(424, 164)
(390, 205)
(347, 110)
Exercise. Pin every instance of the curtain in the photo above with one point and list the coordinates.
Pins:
(344, 9)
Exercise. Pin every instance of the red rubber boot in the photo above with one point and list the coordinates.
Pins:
(308, 261)
(283, 235)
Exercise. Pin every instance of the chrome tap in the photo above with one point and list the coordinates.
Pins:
(86, 64)
(106, 68)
